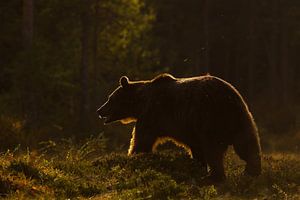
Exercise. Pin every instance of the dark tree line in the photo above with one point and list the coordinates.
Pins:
(253, 44)
(60, 58)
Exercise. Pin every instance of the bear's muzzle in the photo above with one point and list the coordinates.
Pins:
(103, 113)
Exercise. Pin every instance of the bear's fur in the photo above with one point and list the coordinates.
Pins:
(204, 114)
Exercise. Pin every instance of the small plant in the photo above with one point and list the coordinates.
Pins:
(69, 150)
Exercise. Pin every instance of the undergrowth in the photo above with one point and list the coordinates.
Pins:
(68, 171)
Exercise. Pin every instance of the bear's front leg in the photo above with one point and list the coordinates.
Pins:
(141, 141)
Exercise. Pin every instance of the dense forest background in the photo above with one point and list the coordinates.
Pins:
(60, 59)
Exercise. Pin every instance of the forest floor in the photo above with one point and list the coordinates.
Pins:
(165, 175)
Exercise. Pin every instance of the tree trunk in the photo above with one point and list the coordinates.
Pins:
(96, 74)
(272, 48)
(27, 94)
(284, 53)
(95, 38)
(27, 30)
(252, 7)
(206, 12)
(84, 100)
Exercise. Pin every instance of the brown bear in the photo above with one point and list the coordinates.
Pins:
(204, 113)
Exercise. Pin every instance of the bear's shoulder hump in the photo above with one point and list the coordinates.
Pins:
(164, 78)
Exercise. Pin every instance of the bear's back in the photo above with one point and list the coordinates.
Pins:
(209, 86)
(200, 93)
(202, 90)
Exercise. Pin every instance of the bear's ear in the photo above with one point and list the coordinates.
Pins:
(124, 81)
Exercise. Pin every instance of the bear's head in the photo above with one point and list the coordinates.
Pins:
(122, 103)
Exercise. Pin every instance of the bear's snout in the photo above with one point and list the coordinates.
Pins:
(104, 113)
(101, 112)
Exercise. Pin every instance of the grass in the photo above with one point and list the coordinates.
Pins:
(67, 171)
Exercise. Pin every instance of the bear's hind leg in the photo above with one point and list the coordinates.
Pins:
(248, 149)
